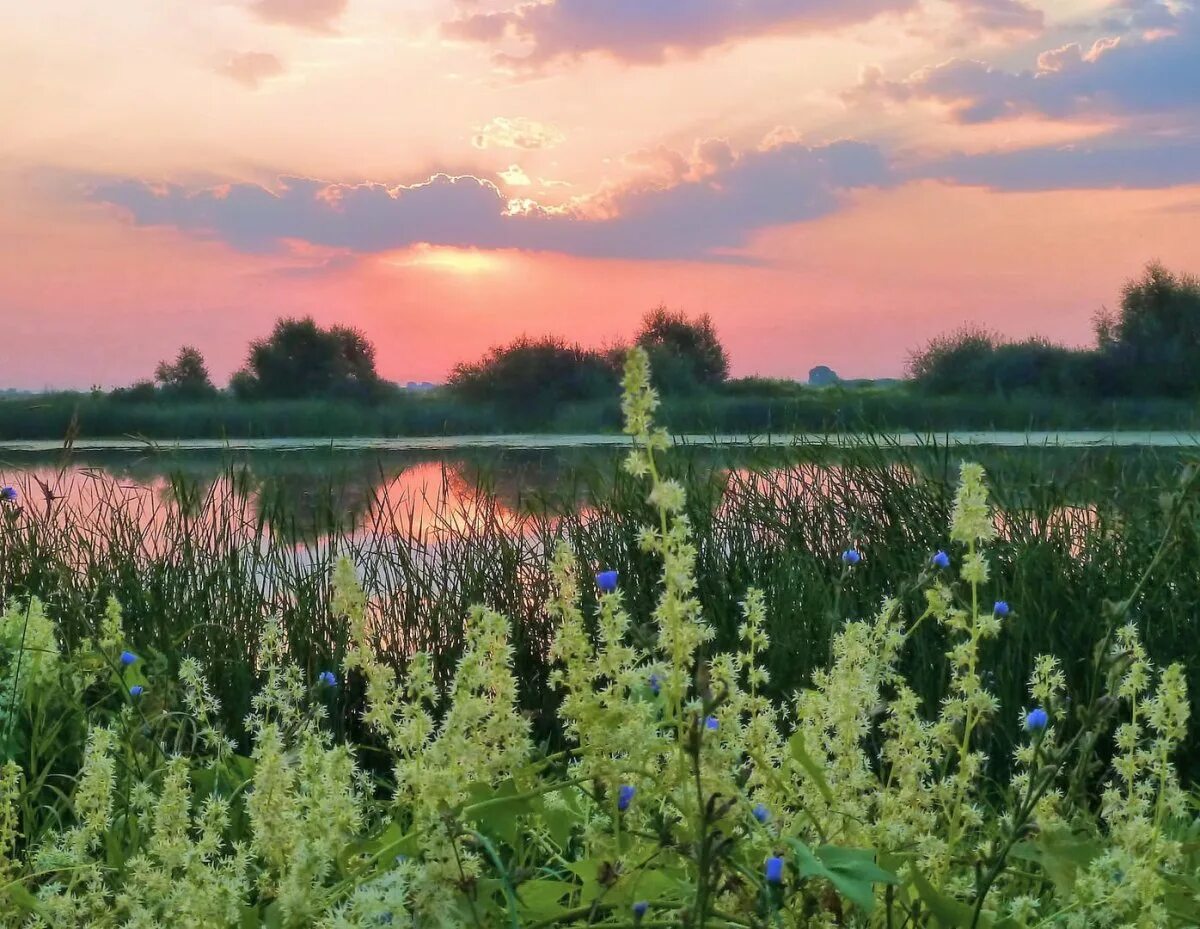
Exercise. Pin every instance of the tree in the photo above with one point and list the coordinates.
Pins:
(1154, 338)
(186, 377)
(683, 352)
(535, 374)
(301, 359)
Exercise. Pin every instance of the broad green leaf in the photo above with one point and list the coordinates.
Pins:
(543, 897)
(810, 766)
(947, 912)
(852, 871)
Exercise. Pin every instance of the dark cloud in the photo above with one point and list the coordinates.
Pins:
(251, 68)
(643, 31)
(318, 15)
(1133, 75)
(732, 197)
(1113, 162)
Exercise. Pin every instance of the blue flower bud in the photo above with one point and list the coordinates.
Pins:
(625, 796)
(655, 684)
(128, 658)
(640, 908)
(774, 870)
(761, 813)
(712, 724)
(607, 581)
(8, 494)
(851, 556)
(327, 678)
(1037, 720)
(1001, 608)
(940, 560)
(135, 690)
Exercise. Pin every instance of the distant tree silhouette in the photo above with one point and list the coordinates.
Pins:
(684, 352)
(1152, 343)
(301, 359)
(534, 374)
(186, 377)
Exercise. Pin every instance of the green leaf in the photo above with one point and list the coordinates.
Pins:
(542, 898)
(852, 871)
(498, 810)
(946, 911)
(801, 756)
(1061, 854)
(21, 896)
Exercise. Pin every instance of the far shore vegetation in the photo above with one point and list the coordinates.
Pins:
(303, 380)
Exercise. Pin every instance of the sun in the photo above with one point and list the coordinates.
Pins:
(460, 261)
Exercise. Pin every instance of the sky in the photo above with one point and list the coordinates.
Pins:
(833, 181)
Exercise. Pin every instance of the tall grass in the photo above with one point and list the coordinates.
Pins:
(198, 565)
(797, 408)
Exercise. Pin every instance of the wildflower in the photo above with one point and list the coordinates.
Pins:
(135, 690)
(640, 908)
(1036, 720)
(655, 684)
(327, 678)
(712, 724)
(940, 560)
(128, 658)
(774, 870)
(761, 813)
(8, 494)
(625, 796)
(1001, 608)
(851, 556)
(607, 581)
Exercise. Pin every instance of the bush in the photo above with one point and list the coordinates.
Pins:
(682, 795)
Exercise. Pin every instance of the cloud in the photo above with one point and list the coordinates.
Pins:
(513, 176)
(516, 132)
(645, 31)
(317, 15)
(1115, 161)
(251, 68)
(1132, 75)
(694, 219)
(1007, 17)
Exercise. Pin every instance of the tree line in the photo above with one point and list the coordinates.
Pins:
(1148, 347)
(302, 360)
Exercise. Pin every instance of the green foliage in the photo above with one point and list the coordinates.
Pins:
(676, 793)
(185, 378)
(684, 352)
(301, 359)
(535, 374)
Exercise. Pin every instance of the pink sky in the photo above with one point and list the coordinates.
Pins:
(834, 181)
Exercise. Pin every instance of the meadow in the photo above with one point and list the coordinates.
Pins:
(816, 691)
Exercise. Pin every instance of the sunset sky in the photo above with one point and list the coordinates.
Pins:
(834, 181)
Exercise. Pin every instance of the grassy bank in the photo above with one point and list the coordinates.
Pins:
(734, 410)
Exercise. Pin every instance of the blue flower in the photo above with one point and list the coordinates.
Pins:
(8, 494)
(712, 724)
(128, 658)
(774, 870)
(327, 678)
(940, 560)
(640, 908)
(761, 813)
(607, 581)
(655, 684)
(1001, 608)
(135, 690)
(851, 556)
(625, 796)
(1036, 720)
